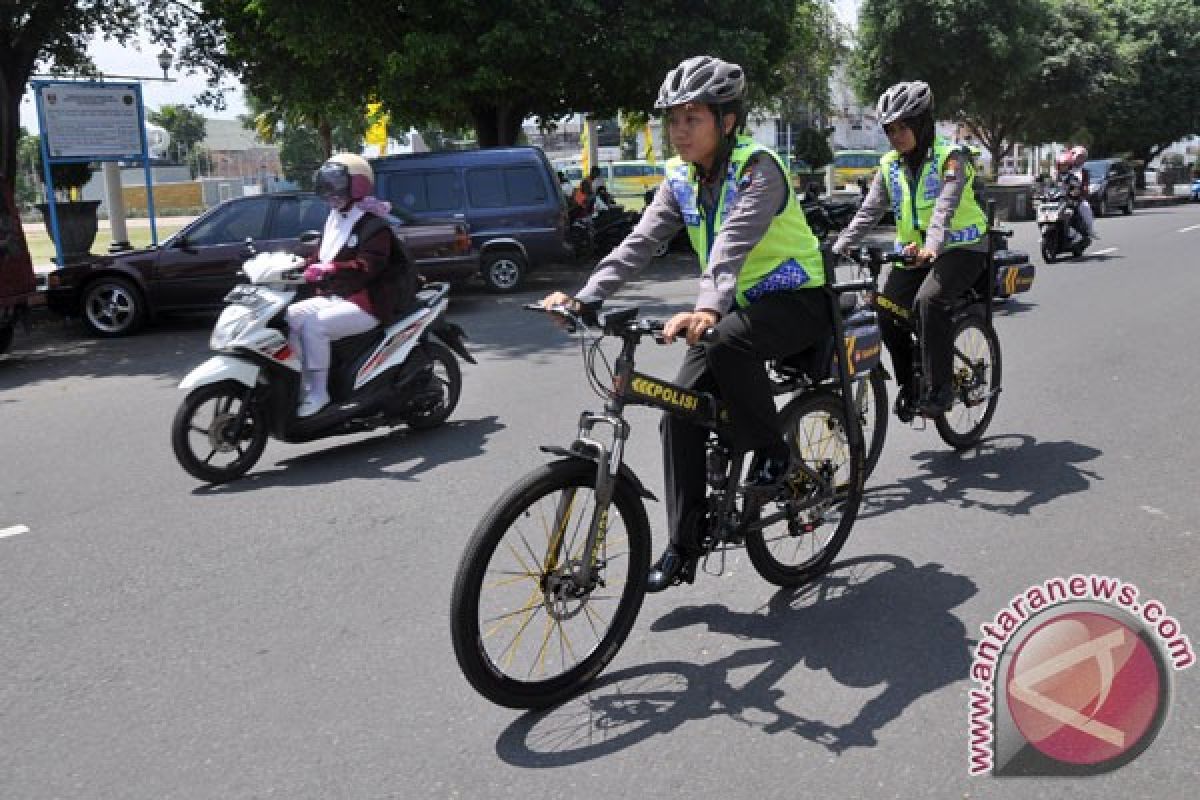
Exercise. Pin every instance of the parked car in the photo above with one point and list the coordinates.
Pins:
(195, 268)
(509, 196)
(1110, 185)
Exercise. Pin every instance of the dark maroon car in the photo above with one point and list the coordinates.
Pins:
(194, 269)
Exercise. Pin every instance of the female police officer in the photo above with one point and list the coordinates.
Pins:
(927, 181)
(760, 264)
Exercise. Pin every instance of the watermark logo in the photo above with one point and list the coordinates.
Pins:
(1073, 679)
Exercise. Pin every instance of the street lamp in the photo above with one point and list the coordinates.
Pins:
(164, 61)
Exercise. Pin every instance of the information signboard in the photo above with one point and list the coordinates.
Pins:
(92, 121)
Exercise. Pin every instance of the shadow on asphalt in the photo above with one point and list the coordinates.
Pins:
(873, 621)
(402, 455)
(1010, 474)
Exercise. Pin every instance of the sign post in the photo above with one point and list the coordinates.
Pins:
(84, 121)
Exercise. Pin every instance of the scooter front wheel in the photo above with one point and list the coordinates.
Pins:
(218, 434)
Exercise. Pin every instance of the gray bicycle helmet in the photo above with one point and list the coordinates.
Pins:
(702, 79)
(905, 100)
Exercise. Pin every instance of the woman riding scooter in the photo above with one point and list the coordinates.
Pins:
(348, 268)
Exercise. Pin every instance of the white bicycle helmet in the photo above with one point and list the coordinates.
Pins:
(904, 100)
(702, 79)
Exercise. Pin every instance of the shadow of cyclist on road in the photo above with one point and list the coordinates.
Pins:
(1011, 474)
(872, 621)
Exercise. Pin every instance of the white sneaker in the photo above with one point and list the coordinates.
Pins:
(312, 404)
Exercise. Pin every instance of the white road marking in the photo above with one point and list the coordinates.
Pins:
(1104, 252)
(1158, 512)
(15, 530)
(1189, 228)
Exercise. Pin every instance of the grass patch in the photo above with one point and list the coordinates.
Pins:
(41, 246)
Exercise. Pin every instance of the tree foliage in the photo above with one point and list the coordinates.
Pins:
(186, 126)
(1155, 99)
(978, 56)
(818, 44)
(454, 63)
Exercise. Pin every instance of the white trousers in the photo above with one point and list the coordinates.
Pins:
(317, 321)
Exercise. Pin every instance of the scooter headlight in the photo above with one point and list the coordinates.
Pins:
(233, 323)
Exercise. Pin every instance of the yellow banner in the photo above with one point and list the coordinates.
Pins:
(376, 127)
(585, 159)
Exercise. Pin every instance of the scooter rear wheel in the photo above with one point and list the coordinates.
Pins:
(205, 435)
(445, 379)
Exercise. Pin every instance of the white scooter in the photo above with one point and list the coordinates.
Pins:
(406, 372)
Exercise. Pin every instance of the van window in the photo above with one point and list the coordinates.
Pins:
(627, 171)
(485, 188)
(525, 187)
(510, 186)
(422, 191)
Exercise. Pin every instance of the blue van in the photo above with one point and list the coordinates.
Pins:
(509, 197)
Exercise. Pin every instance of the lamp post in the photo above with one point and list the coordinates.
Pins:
(164, 60)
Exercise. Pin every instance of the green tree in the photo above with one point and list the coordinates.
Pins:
(818, 44)
(978, 56)
(27, 180)
(1079, 66)
(186, 126)
(457, 63)
(812, 145)
(1155, 100)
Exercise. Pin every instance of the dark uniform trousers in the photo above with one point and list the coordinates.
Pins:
(775, 326)
(928, 293)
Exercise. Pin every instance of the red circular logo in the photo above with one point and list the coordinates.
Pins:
(1083, 688)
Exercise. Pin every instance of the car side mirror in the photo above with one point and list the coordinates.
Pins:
(308, 237)
(182, 243)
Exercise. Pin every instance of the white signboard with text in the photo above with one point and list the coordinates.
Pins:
(95, 121)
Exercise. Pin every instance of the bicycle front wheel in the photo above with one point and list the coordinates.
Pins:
(528, 631)
(976, 382)
(819, 508)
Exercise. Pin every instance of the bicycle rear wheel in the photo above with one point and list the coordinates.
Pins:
(976, 382)
(819, 514)
(526, 632)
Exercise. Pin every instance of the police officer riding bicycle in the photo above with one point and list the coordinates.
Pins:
(927, 181)
(760, 266)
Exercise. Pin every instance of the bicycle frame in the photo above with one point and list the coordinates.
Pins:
(702, 408)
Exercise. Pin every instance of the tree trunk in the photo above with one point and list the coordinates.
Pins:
(498, 125)
(325, 131)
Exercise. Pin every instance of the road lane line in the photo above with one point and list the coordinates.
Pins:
(15, 530)
(1189, 228)
(1104, 252)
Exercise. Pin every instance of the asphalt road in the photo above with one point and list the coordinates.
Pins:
(287, 636)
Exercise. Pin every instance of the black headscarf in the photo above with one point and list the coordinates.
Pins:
(924, 130)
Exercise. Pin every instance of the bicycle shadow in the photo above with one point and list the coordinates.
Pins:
(1032, 472)
(376, 457)
(871, 621)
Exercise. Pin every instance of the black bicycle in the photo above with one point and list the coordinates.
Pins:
(976, 369)
(553, 576)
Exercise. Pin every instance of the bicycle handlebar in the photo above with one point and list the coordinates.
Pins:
(623, 324)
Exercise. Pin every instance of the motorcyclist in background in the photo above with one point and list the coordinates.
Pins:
(1079, 155)
(1073, 185)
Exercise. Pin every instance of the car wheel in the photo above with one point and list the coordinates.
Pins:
(113, 306)
(6, 338)
(1102, 206)
(503, 270)
(1128, 209)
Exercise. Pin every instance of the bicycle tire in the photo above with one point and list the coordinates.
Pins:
(972, 333)
(874, 417)
(810, 415)
(476, 659)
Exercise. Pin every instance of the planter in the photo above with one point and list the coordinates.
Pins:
(76, 226)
